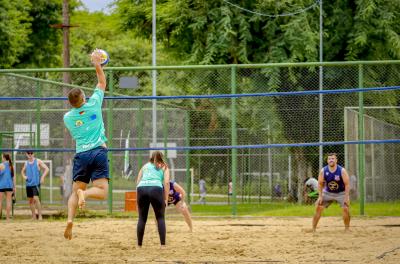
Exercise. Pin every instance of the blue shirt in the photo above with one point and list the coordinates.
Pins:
(151, 176)
(85, 123)
(32, 173)
(333, 180)
(6, 181)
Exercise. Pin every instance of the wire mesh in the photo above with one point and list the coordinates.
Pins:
(262, 174)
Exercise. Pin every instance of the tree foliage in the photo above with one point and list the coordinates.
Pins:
(214, 32)
(14, 30)
(210, 32)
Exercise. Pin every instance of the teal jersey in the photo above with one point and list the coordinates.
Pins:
(151, 176)
(85, 124)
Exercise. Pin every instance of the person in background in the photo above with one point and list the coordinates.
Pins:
(310, 190)
(203, 191)
(31, 174)
(7, 183)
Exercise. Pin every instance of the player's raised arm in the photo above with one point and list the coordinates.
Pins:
(96, 58)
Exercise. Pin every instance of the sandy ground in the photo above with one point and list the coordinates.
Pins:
(266, 240)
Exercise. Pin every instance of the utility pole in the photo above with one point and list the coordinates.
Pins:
(154, 72)
(66, 76)
(66, 60)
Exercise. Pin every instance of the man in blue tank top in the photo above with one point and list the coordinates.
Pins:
(333, 185)
(85, 124)
(31, 174)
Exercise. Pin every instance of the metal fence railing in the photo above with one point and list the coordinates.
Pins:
(272, 105)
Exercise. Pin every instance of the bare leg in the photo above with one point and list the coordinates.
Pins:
(72, 205)
(346, 218)
(81, 198)
(32, 206)
(98, 191)
(1, 203)
(38, 206)
(79, 194)
(317, 216)
(8, 204)
(184, 210)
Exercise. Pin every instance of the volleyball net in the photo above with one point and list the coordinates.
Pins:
(260, 127)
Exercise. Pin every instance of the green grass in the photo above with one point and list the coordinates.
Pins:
(267, 209)
(289, 209)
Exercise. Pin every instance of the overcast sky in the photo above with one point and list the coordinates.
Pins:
(97, 5)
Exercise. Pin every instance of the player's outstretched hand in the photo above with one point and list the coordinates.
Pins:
(95, 57)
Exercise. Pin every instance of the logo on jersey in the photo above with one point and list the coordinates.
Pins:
(327, 173)
(93, 117)
(337, 178)
(333, 186)
(78, 123)
(82, 112)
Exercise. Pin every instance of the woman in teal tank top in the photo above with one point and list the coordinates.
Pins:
(7, 183)
(153, 188)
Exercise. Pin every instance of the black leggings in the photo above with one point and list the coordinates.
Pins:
(153, 195)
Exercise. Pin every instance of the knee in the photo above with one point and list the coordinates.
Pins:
(104, 188)
(319, 209)
(31, 200)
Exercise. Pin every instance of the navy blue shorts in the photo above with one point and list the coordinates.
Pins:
(32, 191)
(6, 190)
(91, 165)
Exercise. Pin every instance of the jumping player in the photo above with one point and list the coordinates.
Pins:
(177, 197)
(7, 183)
(153, 188)
(85, 124)
(333, 185)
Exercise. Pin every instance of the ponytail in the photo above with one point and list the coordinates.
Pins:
(157, 157)
(8, 158)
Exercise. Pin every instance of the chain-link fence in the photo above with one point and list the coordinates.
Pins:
(270, 116)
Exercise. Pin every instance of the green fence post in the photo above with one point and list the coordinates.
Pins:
(187, 158)
(140, 133)
(38, 106)
(109, 143)
(361, 136)
(233, 139)
(165, 132)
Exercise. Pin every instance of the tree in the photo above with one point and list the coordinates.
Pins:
(214, 32)
(14, 30)
(44, 44)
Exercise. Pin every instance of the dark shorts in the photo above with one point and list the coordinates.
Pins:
(6, 190)
(32, 191)
(91, 165)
